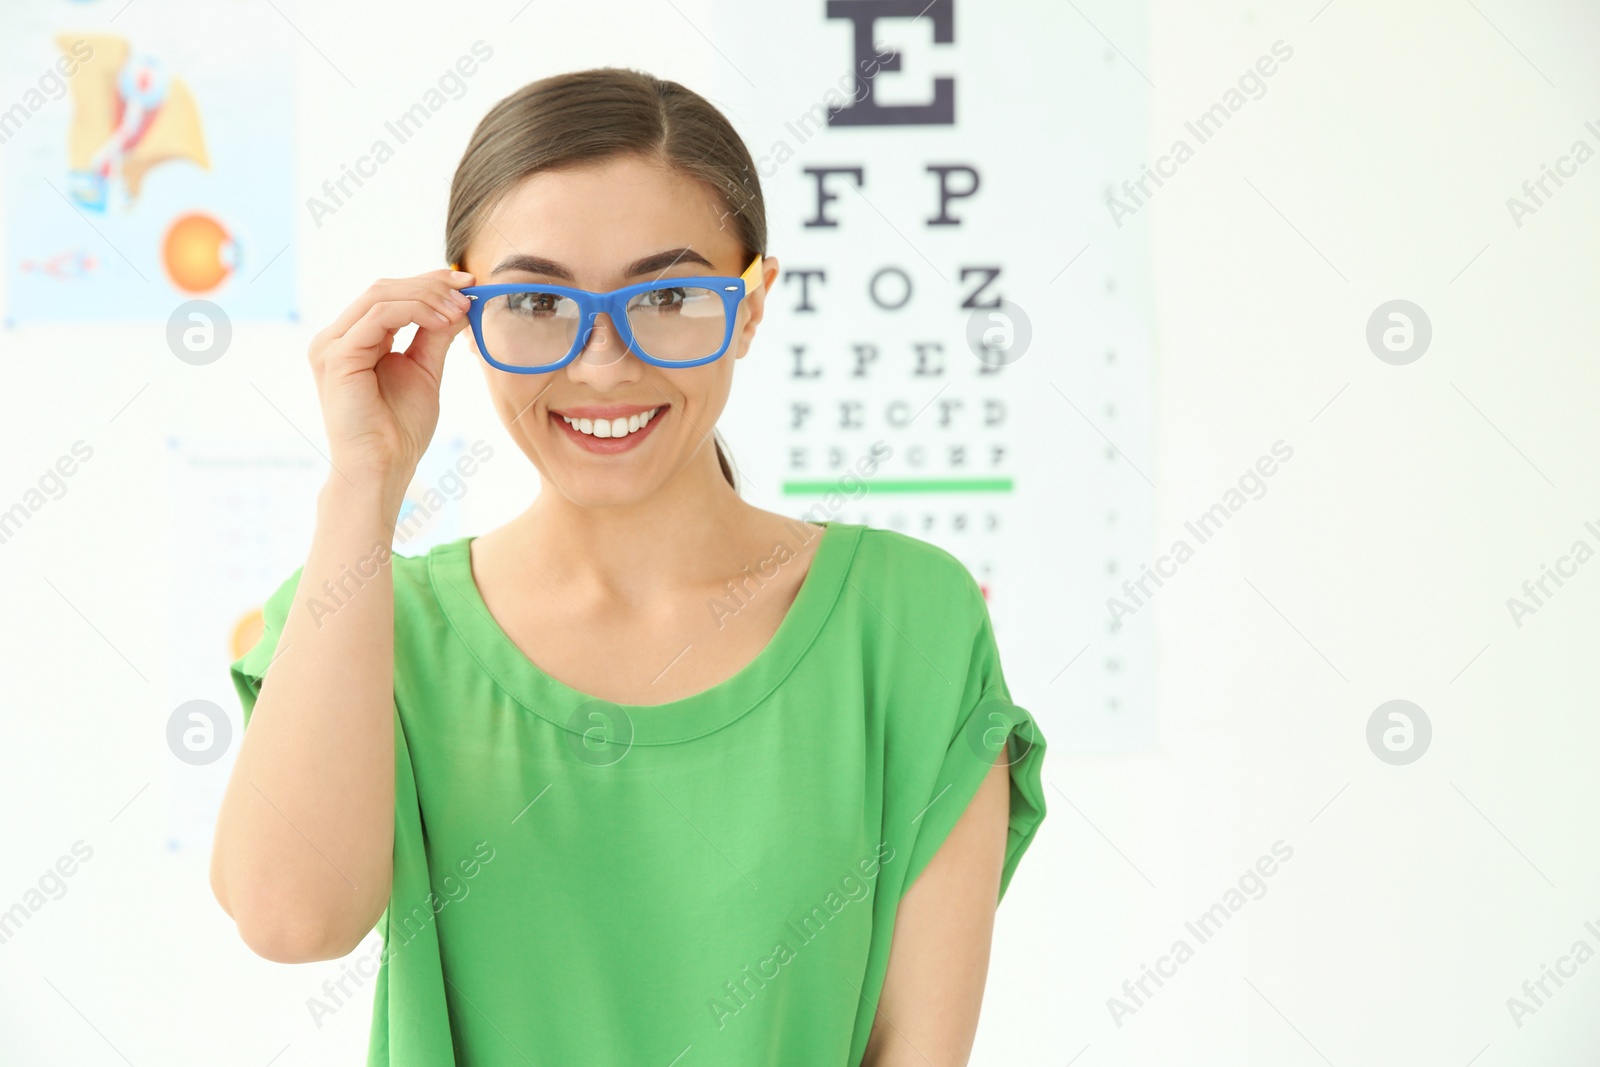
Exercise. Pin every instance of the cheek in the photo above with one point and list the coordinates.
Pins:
(499, 393)
(706, 389)
(513, 397)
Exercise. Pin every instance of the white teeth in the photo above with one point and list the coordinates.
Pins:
(618, 427)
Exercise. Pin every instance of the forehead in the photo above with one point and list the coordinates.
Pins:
(597, 218)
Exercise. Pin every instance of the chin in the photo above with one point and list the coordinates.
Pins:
(620, 462)
(589, 490)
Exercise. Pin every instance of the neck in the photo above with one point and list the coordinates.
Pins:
(685, 533)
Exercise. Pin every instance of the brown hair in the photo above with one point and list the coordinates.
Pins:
(588, 116)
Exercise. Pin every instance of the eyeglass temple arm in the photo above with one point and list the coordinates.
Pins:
(752, 274)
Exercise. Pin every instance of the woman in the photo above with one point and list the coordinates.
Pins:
(647, 775)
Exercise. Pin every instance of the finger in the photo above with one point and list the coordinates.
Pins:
(388, 292)
(456, 279)
(430, 345)
(436, 291)
(373, 331)
(452, 279)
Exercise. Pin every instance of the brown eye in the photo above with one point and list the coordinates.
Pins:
(532, 303)
(664, 298)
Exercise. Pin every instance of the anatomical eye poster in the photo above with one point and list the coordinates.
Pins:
(959, 341)
(148, 160)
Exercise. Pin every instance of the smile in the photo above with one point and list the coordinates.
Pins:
(618, 427)
(621, 432)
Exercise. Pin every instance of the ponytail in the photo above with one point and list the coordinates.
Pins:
(722, 460)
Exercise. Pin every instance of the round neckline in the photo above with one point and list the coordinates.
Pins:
(549, 698)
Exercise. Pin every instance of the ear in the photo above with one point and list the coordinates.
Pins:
(757, 302)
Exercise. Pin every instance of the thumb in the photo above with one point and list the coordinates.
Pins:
(431, 343)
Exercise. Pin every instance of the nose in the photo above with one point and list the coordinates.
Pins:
(601, 345)
(603, 363)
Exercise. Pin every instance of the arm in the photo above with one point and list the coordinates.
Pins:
(939, 956)
(305, 835)
(302, 860)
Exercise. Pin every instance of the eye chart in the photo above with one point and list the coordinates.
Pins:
(958, 346)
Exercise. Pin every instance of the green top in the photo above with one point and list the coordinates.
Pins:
(712, 880)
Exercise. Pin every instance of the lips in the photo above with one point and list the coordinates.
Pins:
(620, 425)
(608, 428)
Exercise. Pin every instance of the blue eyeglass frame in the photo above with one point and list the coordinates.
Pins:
(614, 304)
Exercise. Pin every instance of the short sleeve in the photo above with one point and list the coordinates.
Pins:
(250, 668)
(987, 721)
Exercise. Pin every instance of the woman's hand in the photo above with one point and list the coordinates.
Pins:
(380, 406)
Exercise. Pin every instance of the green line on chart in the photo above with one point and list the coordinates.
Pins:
(908, 485)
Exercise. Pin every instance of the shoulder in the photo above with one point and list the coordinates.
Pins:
(411, 568)
(896, 562)
(917, 587)
(417, 574)
(429, 592)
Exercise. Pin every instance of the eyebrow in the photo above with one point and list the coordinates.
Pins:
(653, 263)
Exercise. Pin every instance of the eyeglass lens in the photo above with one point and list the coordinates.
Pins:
(680, 323)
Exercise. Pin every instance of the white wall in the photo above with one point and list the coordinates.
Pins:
(1418, 898)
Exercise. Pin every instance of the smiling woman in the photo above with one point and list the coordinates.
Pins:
(670, 793)
(697, 180)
